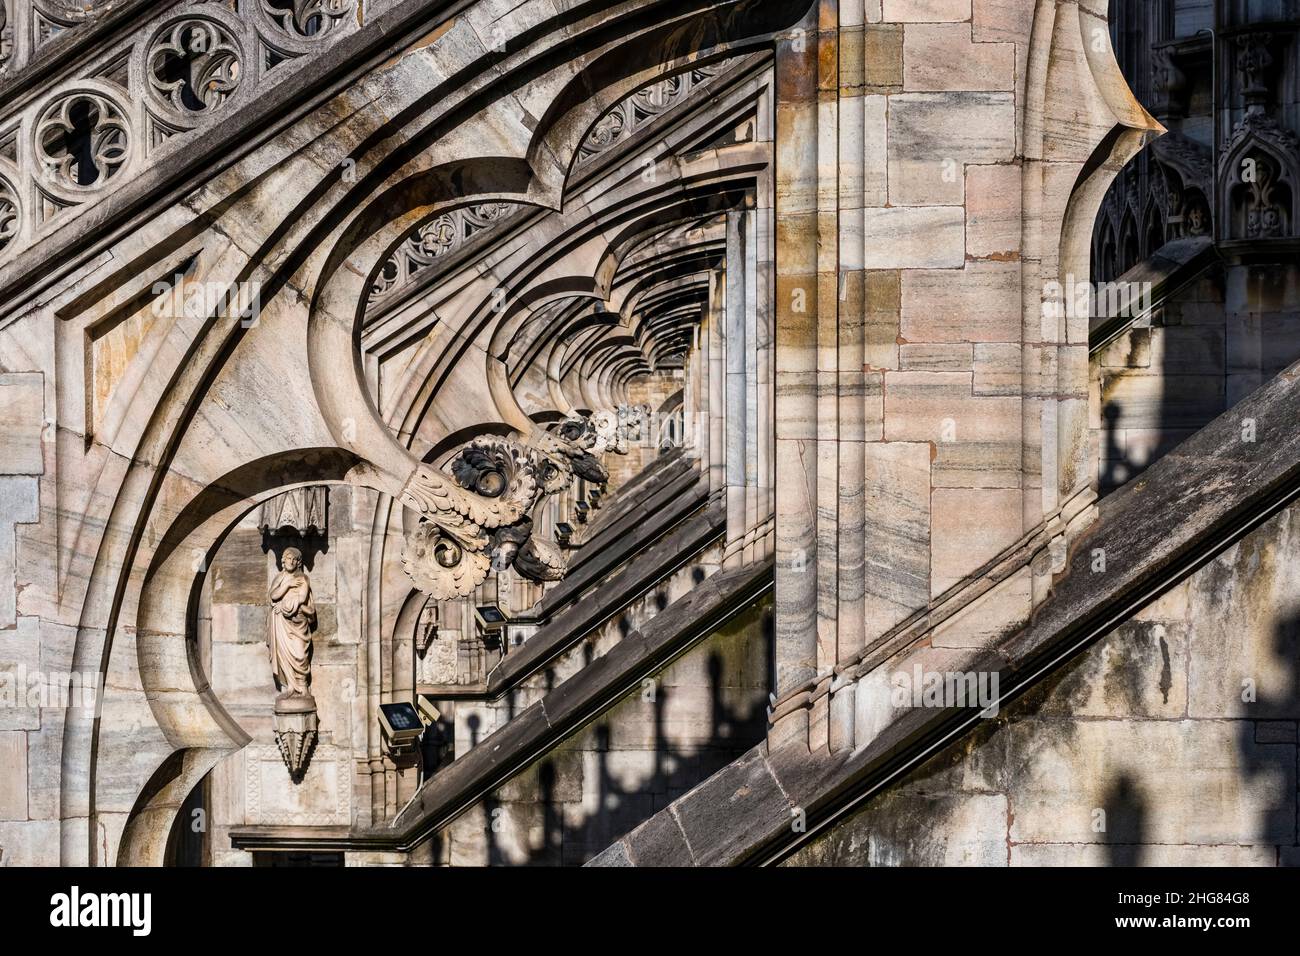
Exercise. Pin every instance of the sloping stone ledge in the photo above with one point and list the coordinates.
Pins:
(1192, 504)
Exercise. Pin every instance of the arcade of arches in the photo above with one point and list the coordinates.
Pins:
(626, 432)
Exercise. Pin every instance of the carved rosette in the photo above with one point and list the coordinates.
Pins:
(308, 19)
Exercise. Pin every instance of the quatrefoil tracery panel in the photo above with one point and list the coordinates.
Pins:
(195, 65)
(82, 141)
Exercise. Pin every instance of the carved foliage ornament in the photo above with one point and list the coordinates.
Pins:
(308, 18)
(10, 217)
(476, 516)
(492, 485)
(82, 141)
(1262, 163)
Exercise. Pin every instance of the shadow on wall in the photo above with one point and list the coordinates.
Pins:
(1268, 746)
(309, 545)
(619, 809)
(1126, 818)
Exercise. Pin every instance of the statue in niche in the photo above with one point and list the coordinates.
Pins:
(289, 625)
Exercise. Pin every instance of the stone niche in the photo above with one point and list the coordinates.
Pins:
(254, 787)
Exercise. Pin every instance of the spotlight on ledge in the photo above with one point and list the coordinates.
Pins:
(581, 508)
(563, 534)
(400, 728)
(429, 713)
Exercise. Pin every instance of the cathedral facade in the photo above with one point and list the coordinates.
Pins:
(648, 432)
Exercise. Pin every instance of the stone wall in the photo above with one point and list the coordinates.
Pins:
(1202, 352)
(1170, 742)
(691, 719)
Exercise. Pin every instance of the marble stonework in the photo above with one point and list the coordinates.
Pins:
(539, 318)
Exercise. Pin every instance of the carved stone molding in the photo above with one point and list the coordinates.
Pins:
(296, 733)
(194, 65)
(302, 510)
(269, 800)
(123, 105)
(435, 239)
(641, 108)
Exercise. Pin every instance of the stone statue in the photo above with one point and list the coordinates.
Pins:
(289, 626)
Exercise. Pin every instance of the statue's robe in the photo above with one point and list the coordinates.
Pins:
(288, 631)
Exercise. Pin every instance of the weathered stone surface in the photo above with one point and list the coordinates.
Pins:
(915, 237)
(985, 295)
(22, 423)
(896, 525)
(933, 136)
(13, 782)
(941, 56)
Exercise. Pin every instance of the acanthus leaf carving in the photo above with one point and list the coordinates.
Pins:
(476, 514)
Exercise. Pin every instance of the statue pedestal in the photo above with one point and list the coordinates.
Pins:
(296, 729)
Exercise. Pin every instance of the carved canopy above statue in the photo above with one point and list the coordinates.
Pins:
(303, 510)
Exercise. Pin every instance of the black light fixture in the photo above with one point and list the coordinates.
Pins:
(563, 533)
(490, 618)
(581, 509)
(401, 727)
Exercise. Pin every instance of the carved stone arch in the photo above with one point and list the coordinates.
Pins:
(1130, 241)
(178, 569)
(192, 730)
(1066, 65)
(701, 33)
(338, 307)
(152, 820)
(1260, 172)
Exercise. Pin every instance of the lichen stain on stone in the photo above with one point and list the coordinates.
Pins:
(1166, 671)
